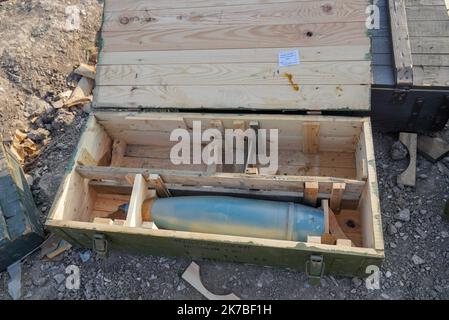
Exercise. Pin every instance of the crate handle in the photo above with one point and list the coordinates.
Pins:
(315, 269)
(100, 245)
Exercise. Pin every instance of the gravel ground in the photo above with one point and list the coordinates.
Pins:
(37, 54)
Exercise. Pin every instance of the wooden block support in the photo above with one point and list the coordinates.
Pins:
(138, 196)
(327, 238)
(314, 239)
(118, 152)
(149, 225)
(344, 242)
(433, 148)
(325, 206)
(311, 137)
(86, 159)
(239, 124)
(217, 124)
(311, 193)
(252, 170)
(130, 178)
(336, 196)
(251, 158)
(401, 43)
(103, 221)
(157, 182)
(192, 276)
(360, 158)
(335, 229)
(119, 222)
(408, 177)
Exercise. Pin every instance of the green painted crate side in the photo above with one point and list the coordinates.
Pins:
(25, 201)
(293, 258)
(4, 236)
(13, 251)
(20, 228)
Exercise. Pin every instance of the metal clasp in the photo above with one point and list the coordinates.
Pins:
(400, 95)
(100, 244)
(315, 269)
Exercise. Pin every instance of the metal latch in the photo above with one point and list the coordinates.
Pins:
(100, 244)
(399, 95)
(315, 269)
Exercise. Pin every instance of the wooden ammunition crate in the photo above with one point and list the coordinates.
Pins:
(21, 230)
(166, 64)
(410, 92)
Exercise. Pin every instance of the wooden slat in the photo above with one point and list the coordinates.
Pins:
(337, 195)
(144, 5)
(239, 36)
(311, 190)
(430, 45)
(139, 194)
(344, 72)
(159, 185)
(286, 157)
(257, 55)
(275, 13)
(319, 97)
(427, 13)
(118, 151)
(110, 202)
(327, 143)
(344, 242)
(401, 43)
(371, 218)
(288, 125)
(431, 76)
(311, 140)
(227, 180)
(303, 170)
(431, 60)
(360, 158)
(433, 148)
(429, 28)
(425, 2)
(344, 173)
(410, 141)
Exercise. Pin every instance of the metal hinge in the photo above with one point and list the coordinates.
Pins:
(100, 245)
(315, 269)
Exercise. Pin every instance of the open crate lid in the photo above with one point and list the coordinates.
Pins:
(234, 55)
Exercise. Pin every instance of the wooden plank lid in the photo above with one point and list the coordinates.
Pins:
(234, 54)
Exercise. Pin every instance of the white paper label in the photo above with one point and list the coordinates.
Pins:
(289, 58)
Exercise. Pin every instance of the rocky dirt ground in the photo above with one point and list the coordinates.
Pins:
(36, 56)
